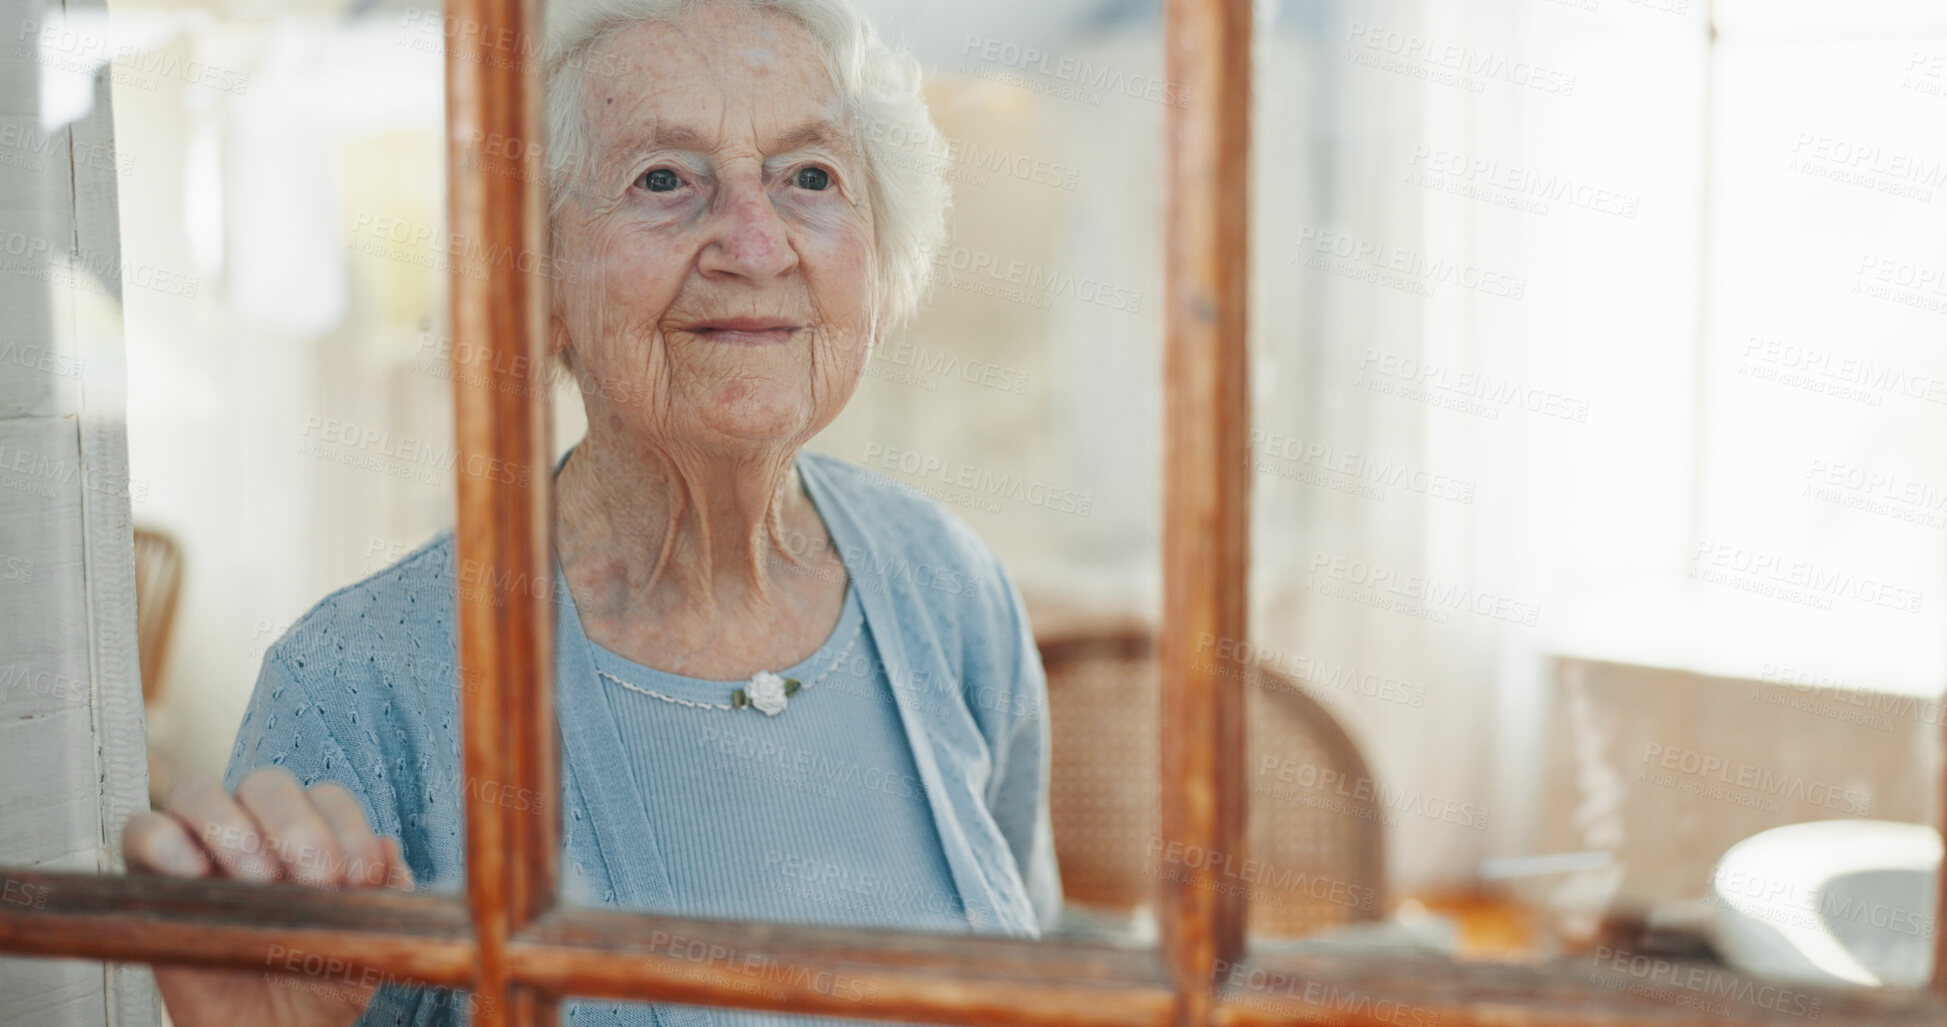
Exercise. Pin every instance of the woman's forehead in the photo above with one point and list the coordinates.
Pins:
(717, 77)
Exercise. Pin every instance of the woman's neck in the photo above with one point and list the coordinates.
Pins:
(680, 535)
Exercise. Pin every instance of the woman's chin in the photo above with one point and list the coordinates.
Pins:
(758, 420)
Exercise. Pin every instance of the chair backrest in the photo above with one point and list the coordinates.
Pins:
(158, 584)
(1316, 829)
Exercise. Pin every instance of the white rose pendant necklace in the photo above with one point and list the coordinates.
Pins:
(765, 692)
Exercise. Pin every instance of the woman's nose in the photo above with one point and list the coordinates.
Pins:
(749, 240)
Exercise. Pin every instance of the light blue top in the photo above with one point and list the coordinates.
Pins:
(363, 691)
(815, 815)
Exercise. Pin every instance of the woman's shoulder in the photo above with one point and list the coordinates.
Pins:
(903, 543)
(370, 664)
(360, 691)
(896, 517)
(398, 619)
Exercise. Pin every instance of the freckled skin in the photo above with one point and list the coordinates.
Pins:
(722, 184)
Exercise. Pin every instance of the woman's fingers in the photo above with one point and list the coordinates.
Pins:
(223, 828)
(367, 858)
(157, 844)
(295, 832)
(273, 828)
(401, 873)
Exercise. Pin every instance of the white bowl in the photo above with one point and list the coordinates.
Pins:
(1836, 902)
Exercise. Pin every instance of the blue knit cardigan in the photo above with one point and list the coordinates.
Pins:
(364, 691)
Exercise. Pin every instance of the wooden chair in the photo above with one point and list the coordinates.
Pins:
(158, 584)
(1320, 851)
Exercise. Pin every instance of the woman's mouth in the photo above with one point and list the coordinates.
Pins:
(745, 331)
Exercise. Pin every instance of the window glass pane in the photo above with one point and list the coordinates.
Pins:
(857, 731)
(1594, 459)
(989, 487)
(988, 490)
(282, 201)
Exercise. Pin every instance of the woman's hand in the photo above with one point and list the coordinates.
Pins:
(271, 830)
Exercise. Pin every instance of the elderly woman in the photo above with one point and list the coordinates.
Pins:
(788, 691)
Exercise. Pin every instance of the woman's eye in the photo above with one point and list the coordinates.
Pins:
(814, 179)
(661, 180)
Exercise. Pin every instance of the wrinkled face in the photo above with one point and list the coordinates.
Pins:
(718, 247)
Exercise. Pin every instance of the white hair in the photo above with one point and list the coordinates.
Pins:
(878, 83)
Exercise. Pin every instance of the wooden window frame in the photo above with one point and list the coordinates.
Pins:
(520, 954)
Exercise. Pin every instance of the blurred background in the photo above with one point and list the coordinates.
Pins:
(1599, 399)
